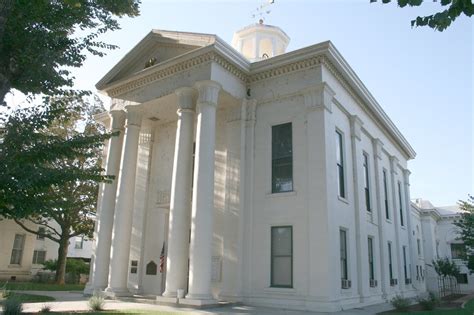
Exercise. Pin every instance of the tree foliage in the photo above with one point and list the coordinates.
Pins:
(441, 20)
(466, 228)
(41, 39)
(446, 268)
(50, 161)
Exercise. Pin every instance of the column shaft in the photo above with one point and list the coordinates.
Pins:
(105, 220)
(180, 203)
(203, 194)
(124, 207)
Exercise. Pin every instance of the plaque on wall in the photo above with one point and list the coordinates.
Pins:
(216, 268)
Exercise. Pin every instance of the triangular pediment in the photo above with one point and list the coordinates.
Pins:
(157, 47)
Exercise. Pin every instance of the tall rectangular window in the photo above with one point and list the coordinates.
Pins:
(418, 246)
(385, 192)
(40, 235)
(366, 182)
(340, 165)
(39, 256)
(458, 251)
(390, 263)
(17, 251)
(343, 244)
(371, 258)
(405, 268)
(79, 243)
(400, 201)
(282, 256)
(282, 158)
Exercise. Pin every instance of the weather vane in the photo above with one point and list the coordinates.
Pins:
(262, 10)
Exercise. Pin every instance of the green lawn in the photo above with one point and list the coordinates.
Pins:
(467, 310)
(33, 286)
(30, 298)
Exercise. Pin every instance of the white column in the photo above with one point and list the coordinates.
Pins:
(180, 203)
(124, 206)
(413, 258)
(200, 253)
(379, 191)
(396, 220)
(105, 219)
(360, 208)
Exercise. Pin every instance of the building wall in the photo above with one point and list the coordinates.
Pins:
(20, 271)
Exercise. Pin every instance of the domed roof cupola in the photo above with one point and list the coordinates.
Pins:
(260, 41)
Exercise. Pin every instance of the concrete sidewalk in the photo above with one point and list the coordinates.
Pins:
(68, 301)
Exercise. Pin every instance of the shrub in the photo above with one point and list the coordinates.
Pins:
(45, 309)
(430, 302)
(400, 303)
(12, 306)
(96, 303)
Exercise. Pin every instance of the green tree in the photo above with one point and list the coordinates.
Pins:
(466, 228)
(445, 267)
(51, 169)
(41, 39)
(441, 20)
(75, 267)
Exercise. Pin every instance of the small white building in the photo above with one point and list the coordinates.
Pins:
(269, 177)
(441, 240)
(22, 254)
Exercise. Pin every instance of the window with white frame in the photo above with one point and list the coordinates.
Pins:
(39, 257)
(282, 158)
(79, 243)
(41, 232)
(385, 194)
(343, 254)
(367, 182)
(400, 203)
(281, 272)
(17, 250)
(341, 185)
(371, 258)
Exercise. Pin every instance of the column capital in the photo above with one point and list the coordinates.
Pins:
(118, 119)
(134, 115)
(378, 145)
(406, 176)
(393, 164)
(208, 92)
(319, 96)
(185, 98)
(356, 126)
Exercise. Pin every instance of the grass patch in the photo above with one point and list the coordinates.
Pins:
(122, 312)
(33, 286)
(467, 310)
(30, 298)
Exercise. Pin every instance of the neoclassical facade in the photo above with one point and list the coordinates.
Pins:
(263, 176)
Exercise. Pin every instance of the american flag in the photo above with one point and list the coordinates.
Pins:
(162, 259)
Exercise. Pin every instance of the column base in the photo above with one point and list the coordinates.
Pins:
(116, 292)
(198, 302)
(167, 300)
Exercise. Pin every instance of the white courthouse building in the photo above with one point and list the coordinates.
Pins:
(272, 177)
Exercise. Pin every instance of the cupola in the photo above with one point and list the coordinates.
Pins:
(260, 41)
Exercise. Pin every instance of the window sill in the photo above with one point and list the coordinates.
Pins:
(14, 266)
(388, 221)
(342, 199)
(281, 194)
(282, 290)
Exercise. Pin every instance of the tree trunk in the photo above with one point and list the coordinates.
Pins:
(62, 255)
(4, 88)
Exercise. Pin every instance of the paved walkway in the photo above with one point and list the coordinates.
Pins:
(75, 301)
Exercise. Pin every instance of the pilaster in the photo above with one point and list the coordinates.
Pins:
(359, 208)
